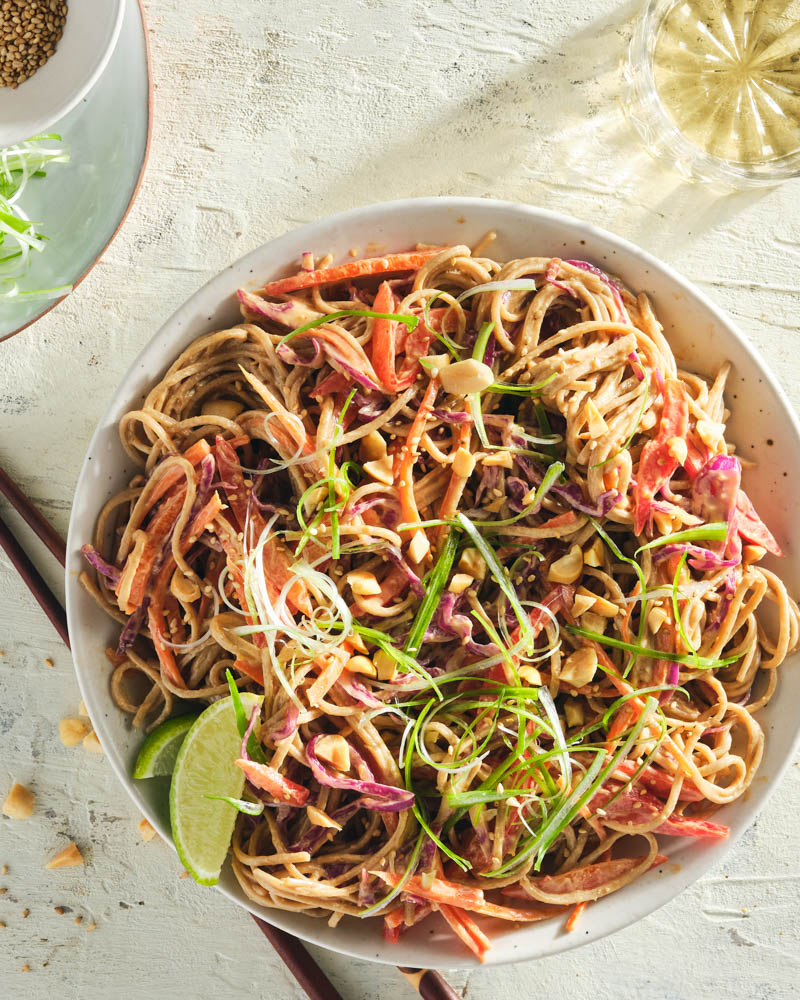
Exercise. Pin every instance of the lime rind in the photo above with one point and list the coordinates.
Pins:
(159, 751)
(202, 827)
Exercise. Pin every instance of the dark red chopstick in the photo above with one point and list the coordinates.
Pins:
(33, 579)
(42, 528)
(430, 985)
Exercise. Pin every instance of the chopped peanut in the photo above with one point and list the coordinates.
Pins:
(463, 377)
(597, 426)
(459, 583)
(656, 618)
(385, 665)
(502, 458)
(753, 553)
(146, 830)
(82, 710)
(229, 409)
(582, 603)
(70, 857)
(579, 667)
(361, 665)
(363, 583)
(335, 750)
(599, 605)
(594, 622)
(48, 662)
(530, 675)
(92, 743)
(463, 463)
(319, 818)
(72, 731)
(573, 712)
(593, 555)
(568, 568)
(19, 802)
(472, 563)
(419, 546)
(678, 449)
(373, 447)
(380, 470)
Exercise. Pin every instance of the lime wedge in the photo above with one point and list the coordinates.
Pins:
(160, 749)
(201, 827)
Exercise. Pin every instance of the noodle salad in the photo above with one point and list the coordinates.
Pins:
(484, 550)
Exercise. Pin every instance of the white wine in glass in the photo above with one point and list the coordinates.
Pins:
(722, 76)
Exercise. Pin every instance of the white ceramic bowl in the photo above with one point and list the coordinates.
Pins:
(90, 34)
(763, 426)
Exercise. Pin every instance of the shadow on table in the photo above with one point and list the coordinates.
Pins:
(552, 132)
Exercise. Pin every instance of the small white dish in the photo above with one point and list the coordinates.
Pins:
(762, 424)
(90, 34)
(83, 203)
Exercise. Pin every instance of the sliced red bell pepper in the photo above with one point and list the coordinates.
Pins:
(751, 527)
(441, 891)
(385, 346)
(277, 561)
(270, 780)
(656, 463)
(391, 263)
(658, 781)
(158, 591)
(636, 806)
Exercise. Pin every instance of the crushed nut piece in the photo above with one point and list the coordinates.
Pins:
(183, 874)
(48, 662)
(4, 870)
(79, 919)
(2, 925)
(92, 743)
(26, 913)
(19, 802)
(25, 968)
(72, 731)
(92, 926)
(3, 891)
(68, 858)
(59, 910)
(146, 831)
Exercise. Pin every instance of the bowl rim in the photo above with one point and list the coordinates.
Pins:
(136, 188)
(695, 866)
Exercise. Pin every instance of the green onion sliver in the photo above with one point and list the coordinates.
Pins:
(497, 572)
(438, 578)
(585, 790)
(715, 531)
(409, 321)
(410, 869)
(699, 662)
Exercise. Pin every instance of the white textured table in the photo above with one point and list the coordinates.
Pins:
(269, 114)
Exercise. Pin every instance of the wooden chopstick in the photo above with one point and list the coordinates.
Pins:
(42, 528)
(428, 983)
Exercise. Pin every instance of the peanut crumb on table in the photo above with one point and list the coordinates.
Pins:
(26, 912)
(79, 919)
(92, 926)
(48, 662)
(4, 870)
(68, 858)
(25, 968)
(59, 910)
